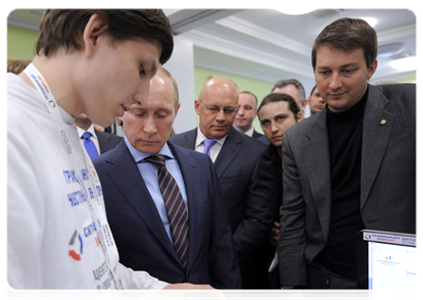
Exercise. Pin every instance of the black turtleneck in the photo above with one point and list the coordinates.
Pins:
(345, 140)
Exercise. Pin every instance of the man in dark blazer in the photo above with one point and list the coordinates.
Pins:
(348, 167)
(136, 211)
(244, 167)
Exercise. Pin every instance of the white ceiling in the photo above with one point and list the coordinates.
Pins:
(269, 45)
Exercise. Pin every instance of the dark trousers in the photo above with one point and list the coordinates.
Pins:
(318, 277)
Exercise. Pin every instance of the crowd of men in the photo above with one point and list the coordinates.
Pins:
(220, 206)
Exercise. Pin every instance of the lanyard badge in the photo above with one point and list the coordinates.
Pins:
(99, 217)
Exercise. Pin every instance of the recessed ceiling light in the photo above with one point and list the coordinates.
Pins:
(404, 64)
(390, 49)
(295, 10)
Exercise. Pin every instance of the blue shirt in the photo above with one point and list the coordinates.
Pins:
(149, 172)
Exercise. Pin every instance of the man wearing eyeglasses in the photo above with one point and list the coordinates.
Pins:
(245, 171)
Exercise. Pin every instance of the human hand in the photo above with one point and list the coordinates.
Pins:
(187, 291)
(275, 233)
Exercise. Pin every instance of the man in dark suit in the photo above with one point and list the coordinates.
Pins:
(348, 167)
(244, 168)
(247, 112)
(192, 243)
(103, 141)
(277, 113)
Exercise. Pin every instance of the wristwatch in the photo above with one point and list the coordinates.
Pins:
(287, 292)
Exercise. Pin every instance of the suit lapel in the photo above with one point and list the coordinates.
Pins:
(377, 127)
(229, 151)
(103, 142)
(128, 181)
(317, 167)
(190, 138)
(191, 174)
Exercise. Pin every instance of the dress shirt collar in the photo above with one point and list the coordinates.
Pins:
(250, 132)
(201, 137)
(140, 156)
(90, 130)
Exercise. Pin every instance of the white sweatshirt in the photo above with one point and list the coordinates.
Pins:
(51, 236)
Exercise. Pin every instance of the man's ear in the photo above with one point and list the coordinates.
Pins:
(299, 116)
(177, 109)
(372, 69)
(303, 104)
(95, 27)
(197, 107)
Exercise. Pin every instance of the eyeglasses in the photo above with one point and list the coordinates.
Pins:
(215, 110)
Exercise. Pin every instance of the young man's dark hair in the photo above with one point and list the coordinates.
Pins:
(312, 90)
(65, 27)
(348, 34)
(293, 106)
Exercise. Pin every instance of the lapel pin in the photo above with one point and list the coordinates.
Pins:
(383, 122)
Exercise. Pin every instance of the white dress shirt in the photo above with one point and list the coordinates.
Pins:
(250, 132)
(93, 137)
(214, 150)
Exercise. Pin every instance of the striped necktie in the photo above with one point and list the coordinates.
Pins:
(175, 206)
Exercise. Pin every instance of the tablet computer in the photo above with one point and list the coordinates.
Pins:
(386, 260)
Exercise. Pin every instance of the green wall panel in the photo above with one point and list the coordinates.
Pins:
(21, 42)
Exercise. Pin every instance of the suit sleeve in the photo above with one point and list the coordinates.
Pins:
(260, 206)
(224, 266)
(292, 242)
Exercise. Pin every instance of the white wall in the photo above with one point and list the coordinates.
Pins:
(181, 66)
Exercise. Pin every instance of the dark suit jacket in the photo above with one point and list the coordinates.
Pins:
(388, 190)
(256, 134)
(139, 232)
(245, 170)
(107, 141)
(264, 140)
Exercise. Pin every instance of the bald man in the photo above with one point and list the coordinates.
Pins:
(244, 167)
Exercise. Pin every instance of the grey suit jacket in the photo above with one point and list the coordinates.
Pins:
(388, 174)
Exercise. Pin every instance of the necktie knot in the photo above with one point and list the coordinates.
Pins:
(207, 145)
(86, 135)
(157, 160)
(89, 145)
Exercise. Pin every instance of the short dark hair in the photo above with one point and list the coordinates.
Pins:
(64, 28)
(312, 90)
(298, 85)
(293, 106)
(249, 93)
(348, 34)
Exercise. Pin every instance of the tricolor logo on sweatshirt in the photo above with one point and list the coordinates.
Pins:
(75, 251)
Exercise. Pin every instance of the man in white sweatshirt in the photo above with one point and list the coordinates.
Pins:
(97, 62)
